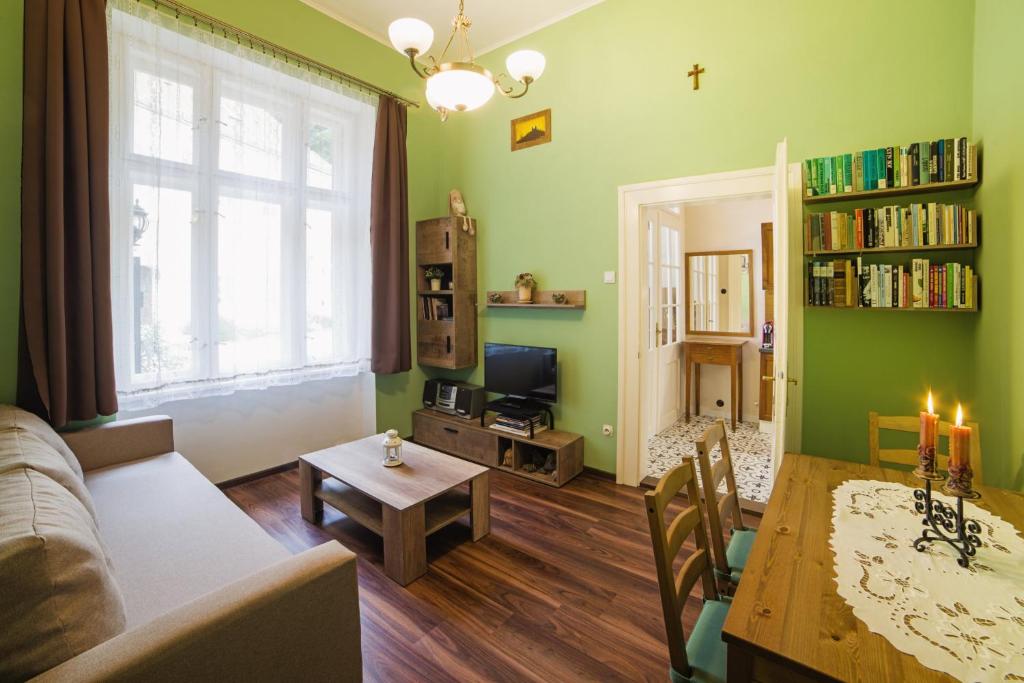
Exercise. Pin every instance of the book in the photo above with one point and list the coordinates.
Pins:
(911, 225)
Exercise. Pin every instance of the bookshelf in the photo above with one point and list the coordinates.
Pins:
(894, 250)
(892, 191)
(446, 329)
(876, 269)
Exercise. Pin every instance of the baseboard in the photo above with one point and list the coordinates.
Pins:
(258, 475)
(600, 474)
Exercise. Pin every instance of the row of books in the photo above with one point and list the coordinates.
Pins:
(916, 225)
(919, 163)
(519, 425)
(921, 284)
(436, 308)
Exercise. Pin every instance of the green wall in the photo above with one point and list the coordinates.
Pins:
(998, 116)
(287, 22)
(623, 112)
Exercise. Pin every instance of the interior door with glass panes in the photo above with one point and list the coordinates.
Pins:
(663, 293)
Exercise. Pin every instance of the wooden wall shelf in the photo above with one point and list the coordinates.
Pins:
(901, 310)
(893, 191)
(886, 250)
(575, 299)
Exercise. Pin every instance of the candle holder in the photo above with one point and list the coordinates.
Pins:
(944, 522)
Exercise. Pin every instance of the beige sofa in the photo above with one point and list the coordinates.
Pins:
(147, 572)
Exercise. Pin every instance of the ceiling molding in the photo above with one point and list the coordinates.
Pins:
(323, 8)
(585, 5)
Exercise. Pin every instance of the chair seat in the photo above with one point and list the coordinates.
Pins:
(737, 552)
(704, 647)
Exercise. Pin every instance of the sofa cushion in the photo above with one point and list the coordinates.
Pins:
(12, 417)
(172, 535)
(58, 596)
(24, 448)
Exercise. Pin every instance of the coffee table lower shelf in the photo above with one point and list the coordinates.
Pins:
(438, 512)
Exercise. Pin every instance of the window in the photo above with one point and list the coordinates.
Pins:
(240, 216)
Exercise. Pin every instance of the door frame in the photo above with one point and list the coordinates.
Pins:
(630, 449)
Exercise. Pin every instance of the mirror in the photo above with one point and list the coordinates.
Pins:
(719, 292)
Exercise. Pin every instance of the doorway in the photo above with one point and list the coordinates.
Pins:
(660, 304)
(718, 248)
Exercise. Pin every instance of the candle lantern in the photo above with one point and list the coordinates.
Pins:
(392, 448)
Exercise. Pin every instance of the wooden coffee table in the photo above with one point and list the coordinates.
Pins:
(402, 504)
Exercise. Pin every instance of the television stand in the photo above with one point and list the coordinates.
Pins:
(518, 455)
(518, 408)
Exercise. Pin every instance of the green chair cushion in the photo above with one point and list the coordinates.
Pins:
(737, 552)
(704, 647)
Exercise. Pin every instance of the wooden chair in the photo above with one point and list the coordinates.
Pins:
(879, 457)
(702, 658)
(731, 557)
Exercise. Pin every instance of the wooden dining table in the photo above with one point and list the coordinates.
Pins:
(787, 621)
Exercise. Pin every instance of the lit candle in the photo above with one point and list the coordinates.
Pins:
(960, 473)
(929, 435)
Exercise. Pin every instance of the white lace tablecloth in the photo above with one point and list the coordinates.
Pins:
(968, 623)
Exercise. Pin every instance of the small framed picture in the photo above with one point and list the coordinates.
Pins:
(531, 130)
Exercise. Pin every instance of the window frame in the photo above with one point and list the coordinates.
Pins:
(207, 183)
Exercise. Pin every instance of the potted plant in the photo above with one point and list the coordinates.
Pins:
(434, 274)
(525, 283)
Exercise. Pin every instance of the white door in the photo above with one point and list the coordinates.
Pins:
(663, 298)
(780, 238)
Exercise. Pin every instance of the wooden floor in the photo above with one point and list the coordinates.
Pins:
(563, 588)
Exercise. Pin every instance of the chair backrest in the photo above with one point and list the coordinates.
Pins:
(667, 540)
(720, 509)
(879, 457)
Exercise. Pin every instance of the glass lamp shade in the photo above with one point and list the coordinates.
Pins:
(460, 87)
(525, 64)
(411, 34)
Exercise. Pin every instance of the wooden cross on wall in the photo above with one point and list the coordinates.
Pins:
(695, 75)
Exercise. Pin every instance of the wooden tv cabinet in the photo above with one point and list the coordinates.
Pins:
(467, 439)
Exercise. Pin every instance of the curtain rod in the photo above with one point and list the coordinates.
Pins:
(181, 11)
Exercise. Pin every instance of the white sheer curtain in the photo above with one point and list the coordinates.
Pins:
(240, 191)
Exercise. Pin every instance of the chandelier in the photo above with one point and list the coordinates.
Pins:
(461, 85)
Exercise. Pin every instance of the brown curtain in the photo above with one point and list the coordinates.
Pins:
(389, 242)
(66, 368)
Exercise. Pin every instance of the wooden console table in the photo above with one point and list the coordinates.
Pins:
(714, 352)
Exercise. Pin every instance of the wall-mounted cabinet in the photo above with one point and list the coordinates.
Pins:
(446, 335)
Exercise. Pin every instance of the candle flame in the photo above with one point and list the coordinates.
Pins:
(959, 415)
(931, 406)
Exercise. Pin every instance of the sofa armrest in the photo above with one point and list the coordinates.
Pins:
(296, 620)
(121, 441)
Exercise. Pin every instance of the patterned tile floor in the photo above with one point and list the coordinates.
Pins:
(751, 453)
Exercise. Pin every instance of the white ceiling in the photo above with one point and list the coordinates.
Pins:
(495, 22)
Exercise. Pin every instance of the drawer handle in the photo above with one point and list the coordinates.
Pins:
(448, 341)
(447, 244)
(451, 430)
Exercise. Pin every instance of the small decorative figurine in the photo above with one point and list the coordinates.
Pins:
(457, 210)
(559, 297)
(494, 297)
(392, 448)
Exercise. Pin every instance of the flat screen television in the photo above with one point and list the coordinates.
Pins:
(524, 372)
